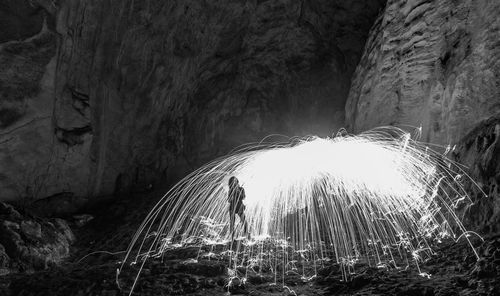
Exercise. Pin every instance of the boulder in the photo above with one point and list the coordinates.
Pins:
(29, 243)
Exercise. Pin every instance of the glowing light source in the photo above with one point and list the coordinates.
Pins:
(371, 197)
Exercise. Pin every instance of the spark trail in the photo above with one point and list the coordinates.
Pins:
(377, 196)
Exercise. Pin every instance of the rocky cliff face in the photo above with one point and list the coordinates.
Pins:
(479, 151)
(102, 96)
(434, 64)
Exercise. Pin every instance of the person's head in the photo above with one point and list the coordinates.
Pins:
(233, 181)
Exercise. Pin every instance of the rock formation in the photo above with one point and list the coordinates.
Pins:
(434, 64)
(28, 244)
(103, 96)
(479, 151)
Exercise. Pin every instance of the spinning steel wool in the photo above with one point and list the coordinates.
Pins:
(379, 196)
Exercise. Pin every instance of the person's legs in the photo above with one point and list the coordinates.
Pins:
(232, 217)
(245, 224)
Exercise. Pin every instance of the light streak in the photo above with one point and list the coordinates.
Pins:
(371, 197)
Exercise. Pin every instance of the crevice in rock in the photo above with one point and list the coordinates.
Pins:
(81, 102)
(74, 136)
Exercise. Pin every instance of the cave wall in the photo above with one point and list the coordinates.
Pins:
(436, 65)
(105, 96)
(28, 46)
(429, 63)
(479, 152)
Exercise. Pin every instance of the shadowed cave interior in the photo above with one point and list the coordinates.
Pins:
(105, 105)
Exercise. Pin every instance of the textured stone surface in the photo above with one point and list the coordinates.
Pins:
(434, 64)
(102, 96)
(479, 151)
(27, 56)
(28, 244)
(19, 20)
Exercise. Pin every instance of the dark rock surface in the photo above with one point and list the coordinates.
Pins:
(28, 48)
(104, 96)
(28, 244)
(20, 20)
(479, 151)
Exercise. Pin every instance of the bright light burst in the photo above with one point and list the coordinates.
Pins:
(375, 197)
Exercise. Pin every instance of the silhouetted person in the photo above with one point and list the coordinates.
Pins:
(236, 207)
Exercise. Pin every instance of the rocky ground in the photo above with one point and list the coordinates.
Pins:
(91, 268)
